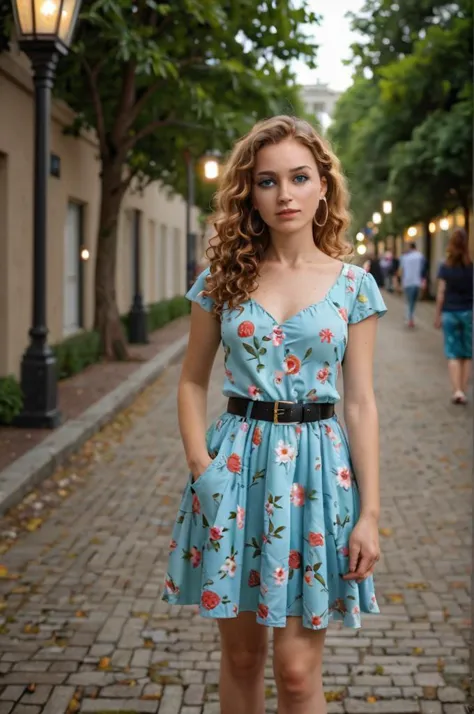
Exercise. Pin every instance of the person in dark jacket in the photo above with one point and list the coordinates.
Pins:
(454, 312)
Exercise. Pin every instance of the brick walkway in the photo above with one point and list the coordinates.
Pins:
(82, 621)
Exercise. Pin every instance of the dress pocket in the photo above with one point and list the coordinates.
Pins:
(211, 486)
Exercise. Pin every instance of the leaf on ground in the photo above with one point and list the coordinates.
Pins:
(418, 651)
(418, 586)
(440, 665)
(386, 532)
(73, 706)
(80, 613)
(104, 663)
(151, 697)
(395, 598)
(379, 669)
(31, 688)
(33, 524)
(332, 696)
(3, 571)
(31, 629)
(371, 700)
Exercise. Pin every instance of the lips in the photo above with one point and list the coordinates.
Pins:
(287, 213)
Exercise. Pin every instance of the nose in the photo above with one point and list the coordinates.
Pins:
(284, 195)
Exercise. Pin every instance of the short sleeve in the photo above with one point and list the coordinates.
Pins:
(195, 292)
(442, 271)
(368, 300)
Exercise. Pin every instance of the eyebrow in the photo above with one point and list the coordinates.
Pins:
(272, 173)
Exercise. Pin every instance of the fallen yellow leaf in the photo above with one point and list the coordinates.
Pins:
(371, 700)
(395, 598)
(33, 524)
(387, 532)
(80, 613)
(379, 669)
(73, 706)
(104, 663)
(3, 571)
(418, 651)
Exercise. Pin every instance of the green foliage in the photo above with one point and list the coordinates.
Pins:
(76, 353)
(404, 129)
(11, 399)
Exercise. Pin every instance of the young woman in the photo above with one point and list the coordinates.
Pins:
(454, 312)
(273, 527)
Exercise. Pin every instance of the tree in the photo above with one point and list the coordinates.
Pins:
(151, 77)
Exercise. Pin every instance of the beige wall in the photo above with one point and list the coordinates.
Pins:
(78, 182)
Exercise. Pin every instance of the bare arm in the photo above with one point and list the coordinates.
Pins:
(361, 418)
(204, 339)
(440, 293)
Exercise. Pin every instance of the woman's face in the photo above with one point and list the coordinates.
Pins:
(287, 187)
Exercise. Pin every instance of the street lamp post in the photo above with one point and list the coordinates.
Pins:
(44, 29)
(190, 236)
(138, 327)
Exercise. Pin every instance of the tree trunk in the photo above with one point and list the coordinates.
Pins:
(428, 252)
(107, 319)
(467, 218)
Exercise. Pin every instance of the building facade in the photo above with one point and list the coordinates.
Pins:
(72, 224)
(319, 102)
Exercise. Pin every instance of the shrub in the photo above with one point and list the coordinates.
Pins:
(76, 353)
(11, 399)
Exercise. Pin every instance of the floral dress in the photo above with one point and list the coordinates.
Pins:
(266, 527)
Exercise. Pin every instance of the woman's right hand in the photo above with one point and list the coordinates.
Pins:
(198, 466)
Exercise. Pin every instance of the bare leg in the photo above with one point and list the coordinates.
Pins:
(455, 375)
(244, 652)
(297, 664)
(466, 374)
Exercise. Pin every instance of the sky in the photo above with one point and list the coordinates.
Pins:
(334, 38)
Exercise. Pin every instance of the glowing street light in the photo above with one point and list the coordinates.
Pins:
(362, 249)
(211, 169)
(444, 224)
(412, 231)
(377, 218)
(387, 207)
(360, 236)
(432, 227)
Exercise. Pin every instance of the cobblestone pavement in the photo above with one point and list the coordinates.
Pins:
(83, 626)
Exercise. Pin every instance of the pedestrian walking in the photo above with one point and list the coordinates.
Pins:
(454, 312)
(413, 271)
(278, 522)
(372, 266)
(386, 265)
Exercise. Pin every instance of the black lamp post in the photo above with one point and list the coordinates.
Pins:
(44, 29)
(138, 327)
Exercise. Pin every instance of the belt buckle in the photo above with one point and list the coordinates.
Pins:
(278, 412)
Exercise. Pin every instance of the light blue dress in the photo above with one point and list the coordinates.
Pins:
(266, 527)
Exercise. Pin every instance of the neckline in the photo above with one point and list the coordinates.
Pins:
(303, 309)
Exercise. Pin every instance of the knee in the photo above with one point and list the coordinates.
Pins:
(296, 681)
(246, 663)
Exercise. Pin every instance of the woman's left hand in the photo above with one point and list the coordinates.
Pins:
(364, 549)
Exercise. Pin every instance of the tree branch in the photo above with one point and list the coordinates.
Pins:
(146, 131)
(127, 98)
(97, 103)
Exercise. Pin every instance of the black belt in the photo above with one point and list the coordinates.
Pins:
(281, 412)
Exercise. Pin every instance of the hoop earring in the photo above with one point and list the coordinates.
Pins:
(251, 224)
(320, 225)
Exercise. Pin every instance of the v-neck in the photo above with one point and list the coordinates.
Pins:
(303, 309)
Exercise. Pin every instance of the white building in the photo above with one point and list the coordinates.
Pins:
(319, 101)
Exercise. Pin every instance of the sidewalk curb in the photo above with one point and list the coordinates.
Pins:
(42, 460)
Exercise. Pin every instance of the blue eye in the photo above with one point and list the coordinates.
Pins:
(301, 178)
(266, 183)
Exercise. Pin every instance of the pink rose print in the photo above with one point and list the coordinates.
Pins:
(350, 275)
(316, 621)
(292, 364)
(240, 517)
(254, 392)
(257, 436)
(173, 545)
(278, 377)
(344, 551)
(229, 567)
(244, 426)
(315, 539)
(262, 611)
(254, 579)
(329, 431)
(344, 478)
(279, 575)
(195, 557)
(297, 494)
(356, 610)
(229, 376)
(171, 588)
(235, 610)
(263, 589)
(308, 576)
(216, 533)
(196, 505)
(326, 336)
(210, 599)
(343, 313)
(246, 329)
(323, 375)
(234, 463)
(277, 336)
(294, 561)
(269, 508)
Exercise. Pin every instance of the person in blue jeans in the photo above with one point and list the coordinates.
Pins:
(454, 312)
(413, 270)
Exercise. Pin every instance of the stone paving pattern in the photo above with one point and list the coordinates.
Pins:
(83, 628)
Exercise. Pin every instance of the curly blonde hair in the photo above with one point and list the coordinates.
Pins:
(237, 248)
